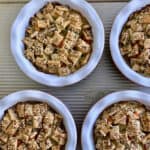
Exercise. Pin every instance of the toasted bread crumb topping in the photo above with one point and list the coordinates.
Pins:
(58, 40)
(135, 41)
(32, 126)
(123, 126)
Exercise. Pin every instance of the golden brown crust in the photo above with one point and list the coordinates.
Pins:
(51, 37)
(32, 126)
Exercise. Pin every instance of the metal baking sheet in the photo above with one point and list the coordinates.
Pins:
(79, 97)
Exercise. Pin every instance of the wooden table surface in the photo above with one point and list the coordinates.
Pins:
(79, 97)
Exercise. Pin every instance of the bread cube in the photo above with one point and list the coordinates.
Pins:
(64, 71)
(56, 148)
(13, 127)
(30, 55)
(53, 66)
(83, 46)
(41, 24)
(37, 122)
(58, 119)
(60, 21)
(5, 122)
(49, 50)
(33, 145)
(40, 137)
(57, 39)
(120, 146)
(74, 28)
(145, 56)
(107, 145)
(22, 147)
(28, 110)
(87, 34)
(41, 63)
(68, 44)
(145, 120)
(145, 19)
(120, 118)
(49, 143)
(48, 118)
(33, 134)
(12, 143)
(59, 137)
(36, 109)
(59, 11)
(64, 59)
(48, 8)
(75, 19)
(115, 133)
(49, 17)
(43, 108)
(133, 128)
(3, 137)
(135, 51)
(137, 36)
(75, 56)
(84, 60)
(72, 36)
(147, 43)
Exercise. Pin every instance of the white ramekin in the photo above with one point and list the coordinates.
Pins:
(18, 33)
(100, 106)
(120, 62)
(54, 103)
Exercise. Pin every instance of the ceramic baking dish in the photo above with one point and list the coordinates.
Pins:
(119, 22)
(100, 106)
(54, 103)
(18, 33)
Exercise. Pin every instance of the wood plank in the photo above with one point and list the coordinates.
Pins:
(93, 1)
(79, 97)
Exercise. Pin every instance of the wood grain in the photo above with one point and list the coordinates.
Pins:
(79, 97)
